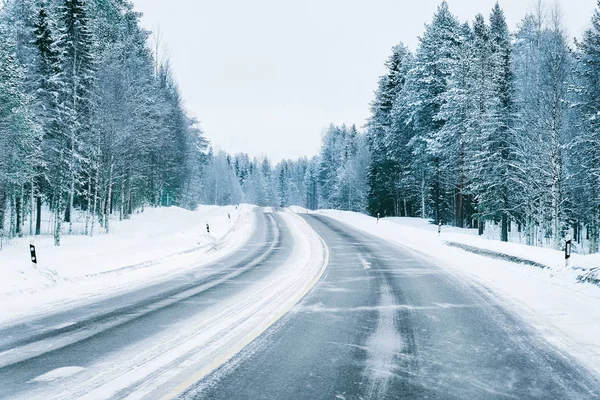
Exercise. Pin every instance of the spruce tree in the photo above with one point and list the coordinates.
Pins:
(433, 65)
(588, 143)
(383, 137)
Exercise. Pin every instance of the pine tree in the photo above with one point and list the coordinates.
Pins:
(311, 183)
(450, 143)
(282, 184)
(332, 153)
(383, 133)
(74, 46)
(501, 139)
(493, 171)
(430, 75)
(46, 94)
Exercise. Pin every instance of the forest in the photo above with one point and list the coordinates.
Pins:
(482, 124)
(477, 126)
(89, 120)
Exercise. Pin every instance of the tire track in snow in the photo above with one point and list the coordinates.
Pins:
(383, 345)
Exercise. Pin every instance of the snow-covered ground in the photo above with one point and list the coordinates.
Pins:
(563, 310)
(147, 247)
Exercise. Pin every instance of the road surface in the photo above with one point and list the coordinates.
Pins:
(385, 323)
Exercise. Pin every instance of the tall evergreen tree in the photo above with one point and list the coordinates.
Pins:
(383, 180)
(450, 143)
(588, 143)
(431, 72)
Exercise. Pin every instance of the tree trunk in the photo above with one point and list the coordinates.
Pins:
(504, 228)
(67, 217)
(423, 198)
(437, 192)
(129, 202)
(19, 215)
(122, 205)
(89, 204)
(38, 215)
(593, 237)
(13, 218)
(72, 161)
(461, 183)
(108, 209)
(555, 185)
(31, 210)
(2, 215)
(459, 206)
(93, 223)
(57, 215)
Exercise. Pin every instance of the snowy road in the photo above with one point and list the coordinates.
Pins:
(145, 342)
(288, 317)
(384, 322)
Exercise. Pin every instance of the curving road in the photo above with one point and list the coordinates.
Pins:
(32, 354)
(382, 323)
(385, 323)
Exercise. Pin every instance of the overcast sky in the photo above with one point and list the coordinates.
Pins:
(267, 76)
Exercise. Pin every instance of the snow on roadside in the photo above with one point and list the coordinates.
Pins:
(550, 258)
(565, 312)
(151, 245)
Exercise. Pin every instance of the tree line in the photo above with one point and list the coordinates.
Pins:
(89, 119)
(480, 125)
(336, 178)
(477, 126)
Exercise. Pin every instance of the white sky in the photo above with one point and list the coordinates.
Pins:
(267, 76)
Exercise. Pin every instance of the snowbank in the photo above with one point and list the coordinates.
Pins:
(563, 310)
(582, 268)
(150, 245)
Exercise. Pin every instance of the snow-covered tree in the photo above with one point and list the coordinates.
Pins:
(432, 69)
(18, 136)
(106, 129)
(588, 142)
(389, 135)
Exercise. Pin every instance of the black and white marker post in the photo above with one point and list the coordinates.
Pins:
(377, 217)
(33, 255)
(212, 240)
(567, 250)
(440, 229)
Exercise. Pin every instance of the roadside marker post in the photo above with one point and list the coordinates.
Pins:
(377, 217)
(33, 255)
(213, 241)
(440, 229)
